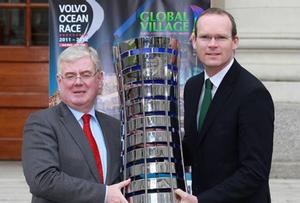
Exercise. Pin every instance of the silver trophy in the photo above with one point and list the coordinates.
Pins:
(148, 75)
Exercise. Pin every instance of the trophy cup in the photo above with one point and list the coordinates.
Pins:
(148, 75)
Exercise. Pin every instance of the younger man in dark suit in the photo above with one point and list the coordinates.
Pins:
(228, 120)
(71, 152)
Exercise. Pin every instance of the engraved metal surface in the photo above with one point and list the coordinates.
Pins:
(146, 42)
(161, 197)
(150, 152)
(148, 105)
(162, 72)
(139, 137)
(150, 60)
(154, 167)
(149, 90)
(147, 122)
(152, 183)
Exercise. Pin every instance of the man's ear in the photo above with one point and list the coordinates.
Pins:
(101, 78)
(58, 81)
(194, 44)
(193, 40)
(236, 41)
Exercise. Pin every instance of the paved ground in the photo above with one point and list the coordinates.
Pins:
(13, 188)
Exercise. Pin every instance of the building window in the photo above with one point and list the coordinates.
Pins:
(24, 23)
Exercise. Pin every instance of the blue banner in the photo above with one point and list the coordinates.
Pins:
(101, 24)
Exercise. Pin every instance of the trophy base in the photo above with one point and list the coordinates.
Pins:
(153, 198)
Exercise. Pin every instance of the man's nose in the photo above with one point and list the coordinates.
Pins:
(212, 41)
(78, 80)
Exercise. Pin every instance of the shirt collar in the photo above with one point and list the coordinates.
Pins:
(79, 114)
(217, 78)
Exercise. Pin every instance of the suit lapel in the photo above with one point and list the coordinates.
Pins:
(195, 100)
(106, 134)
(220, 98)
(75, 130)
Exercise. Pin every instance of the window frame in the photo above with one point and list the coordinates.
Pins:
(28, 7)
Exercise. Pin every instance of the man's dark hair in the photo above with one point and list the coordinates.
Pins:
(218, 11)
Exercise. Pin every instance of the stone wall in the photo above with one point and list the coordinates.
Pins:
(286, 151)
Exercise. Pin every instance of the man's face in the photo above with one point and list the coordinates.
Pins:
(80, 93)
(214, 44)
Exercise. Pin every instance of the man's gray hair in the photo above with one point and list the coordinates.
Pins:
(76, 52)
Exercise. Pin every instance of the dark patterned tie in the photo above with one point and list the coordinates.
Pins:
(87, 131)
(205, 103)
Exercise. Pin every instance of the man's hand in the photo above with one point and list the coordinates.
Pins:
(114, 194)
(184, 197)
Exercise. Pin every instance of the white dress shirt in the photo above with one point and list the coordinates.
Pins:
(216, 81)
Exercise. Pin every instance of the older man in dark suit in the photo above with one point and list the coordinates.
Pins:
(229, 121)
(71, 152)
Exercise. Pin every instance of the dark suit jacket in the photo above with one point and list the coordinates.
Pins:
(231, 156)
(58, 163)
